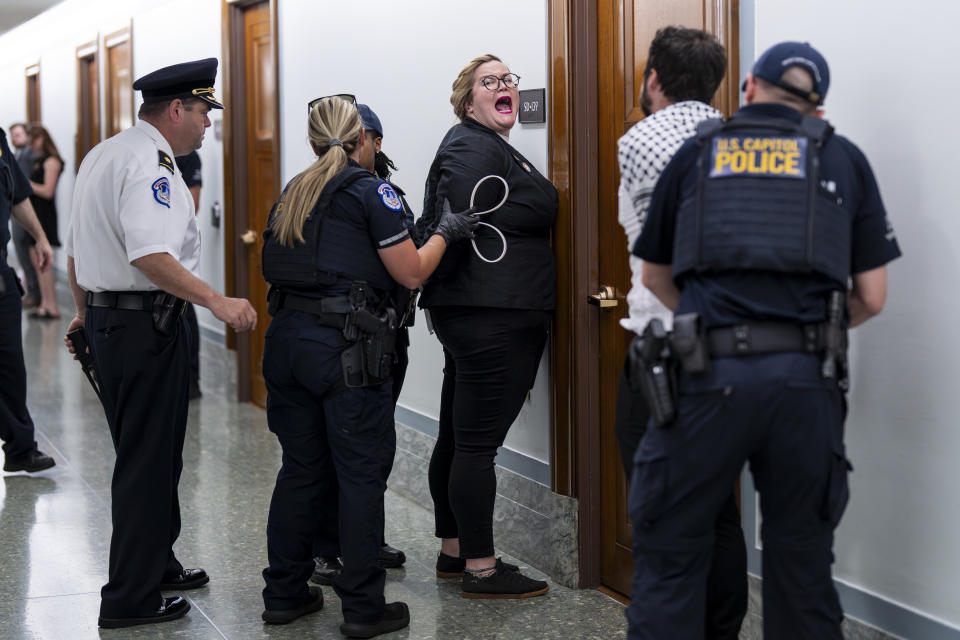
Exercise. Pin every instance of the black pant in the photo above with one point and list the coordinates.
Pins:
(325, 437)
(779, 413)
(727, 579)
(490, 363)
(143, 378)
(327, 542)
(191, 315)
(16, 426)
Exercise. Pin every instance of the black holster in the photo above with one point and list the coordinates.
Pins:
(166, 309)
(651, 371)
(369, 361)
(688, 342)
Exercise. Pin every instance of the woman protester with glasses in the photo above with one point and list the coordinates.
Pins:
(334, 248)
(490, 306)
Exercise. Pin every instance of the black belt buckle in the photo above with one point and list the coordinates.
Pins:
(741, 338)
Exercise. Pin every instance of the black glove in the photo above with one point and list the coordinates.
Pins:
(455, 226)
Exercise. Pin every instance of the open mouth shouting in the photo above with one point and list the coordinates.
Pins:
(504, 105)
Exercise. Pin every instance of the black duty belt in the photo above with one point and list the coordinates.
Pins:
(330, 312)
(127, 300)
(759, 338)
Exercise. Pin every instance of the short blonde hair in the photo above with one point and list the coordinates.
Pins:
(330, 119)
(463, 85)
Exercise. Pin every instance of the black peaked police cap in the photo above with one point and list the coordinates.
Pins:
(185, 80)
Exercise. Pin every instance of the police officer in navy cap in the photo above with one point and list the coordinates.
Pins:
(16, 426)
(326, 548)
(767, 237)
(133, 262)
(335, 249)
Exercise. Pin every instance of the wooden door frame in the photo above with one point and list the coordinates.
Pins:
(82, 53)
(573, 154)
(32, 74)
(236, 206)
(109, 42)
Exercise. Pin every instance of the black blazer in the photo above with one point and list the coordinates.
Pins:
(525, 278)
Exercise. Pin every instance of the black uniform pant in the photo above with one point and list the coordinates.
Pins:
(323, 436)
(778, 413)
(191, 315)
(16, 425)
(727, 578)
(327, 543)
(143, 378)
(490, 363)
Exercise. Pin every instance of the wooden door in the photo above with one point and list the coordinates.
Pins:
(252, 152)
(88, 101)
(119, 68)
(625, 29)
(33, 93)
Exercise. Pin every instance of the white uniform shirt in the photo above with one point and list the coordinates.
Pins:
(128, 203)
(644, 151)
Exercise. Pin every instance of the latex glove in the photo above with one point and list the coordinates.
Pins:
(455, 226)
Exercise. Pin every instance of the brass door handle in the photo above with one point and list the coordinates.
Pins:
(605, 299)
(249, 237)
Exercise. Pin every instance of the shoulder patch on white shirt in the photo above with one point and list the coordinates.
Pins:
(161, 191)
(389, 197)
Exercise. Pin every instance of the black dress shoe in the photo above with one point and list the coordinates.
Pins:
(390, 558)
(286, 616)
(186, 579)
(31, 462)
(326, 570)
(396, 615)
(171, 609)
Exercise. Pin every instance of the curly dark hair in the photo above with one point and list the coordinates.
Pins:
(690, 63)
(383, 166)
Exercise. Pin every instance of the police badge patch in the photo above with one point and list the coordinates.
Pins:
(389, 197)
(161, 191)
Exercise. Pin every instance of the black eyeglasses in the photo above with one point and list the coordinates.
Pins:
(348, 97)
(492, 83)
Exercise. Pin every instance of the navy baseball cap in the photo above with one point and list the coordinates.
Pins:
(780, 57)
(185, 80)
(370, 120)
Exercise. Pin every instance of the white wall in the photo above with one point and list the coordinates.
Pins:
(893, 93)
(401, 58)
(164, 32)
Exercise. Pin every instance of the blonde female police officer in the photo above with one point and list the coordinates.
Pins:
(336, 246)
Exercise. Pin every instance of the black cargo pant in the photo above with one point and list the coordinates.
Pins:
(16, 425)
(778, 413)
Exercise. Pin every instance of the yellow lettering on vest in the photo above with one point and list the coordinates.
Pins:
(738, 163)
(734, 144)
(757, 162)
(777, 159)
(792, 163)
(721, 160)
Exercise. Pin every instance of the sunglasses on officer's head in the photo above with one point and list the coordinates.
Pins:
(349, 97)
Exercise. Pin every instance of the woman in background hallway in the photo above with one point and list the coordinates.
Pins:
(491, 316)
(47, 167)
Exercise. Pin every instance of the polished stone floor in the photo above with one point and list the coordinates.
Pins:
(55, 529)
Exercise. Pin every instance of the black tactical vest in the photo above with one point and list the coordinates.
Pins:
(326, 255)
(758, 204)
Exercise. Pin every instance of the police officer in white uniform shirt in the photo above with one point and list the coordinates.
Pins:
(133, 260)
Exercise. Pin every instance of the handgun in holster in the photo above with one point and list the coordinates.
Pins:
(369, 360)
(834, 340)
(166, 309)
(651, 372)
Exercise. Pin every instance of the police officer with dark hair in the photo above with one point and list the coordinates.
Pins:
(133, 261)
(326, 548)
(20, 451)
(335, 249)
(755, 229)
